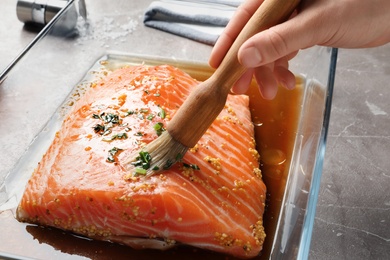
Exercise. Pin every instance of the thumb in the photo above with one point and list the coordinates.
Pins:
(275, 43)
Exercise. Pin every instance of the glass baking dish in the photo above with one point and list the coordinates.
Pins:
(56, 71)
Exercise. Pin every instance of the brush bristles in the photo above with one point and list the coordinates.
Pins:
(164, 152)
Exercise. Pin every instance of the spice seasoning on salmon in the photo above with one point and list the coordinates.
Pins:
(213, 199)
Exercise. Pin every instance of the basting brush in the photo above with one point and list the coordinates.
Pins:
(207, 100)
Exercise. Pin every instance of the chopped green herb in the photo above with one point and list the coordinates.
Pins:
(179, 156)
(139, 134)
(159, 128)
(95, 116)
(144, 110)
(156, 168)
(110, 118)
(150, 117)
(98, 128)
(146, 91)
(109, 121)
(117, 136)
(106, 132)
(140, 171)
(121, 136)
(168, 164)
(128, 113)
(145, 156)
(193, 166)
(112, 154)
(162, 113)
(142, 163)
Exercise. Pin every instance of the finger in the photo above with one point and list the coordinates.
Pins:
(221, 47)
(291, 55)
(276, 42)
(243, 13)
(284, 77)
(266, 81)
(242, 84)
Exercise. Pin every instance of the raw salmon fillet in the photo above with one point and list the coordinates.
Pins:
(213, 199)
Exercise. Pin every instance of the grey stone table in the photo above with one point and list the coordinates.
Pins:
(353, 211)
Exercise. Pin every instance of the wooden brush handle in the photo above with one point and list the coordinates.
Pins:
(207, 100)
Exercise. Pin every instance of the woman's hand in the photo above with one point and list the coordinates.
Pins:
(340, 24)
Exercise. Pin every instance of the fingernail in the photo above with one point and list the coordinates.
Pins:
(251, 57)
(289, 84)
(285, 84)
(269, 93)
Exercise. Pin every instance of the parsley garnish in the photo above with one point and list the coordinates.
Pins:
(179, 156)
(159, 128)
(121, 136)
(107, 118)
(143, 160)
(117, 136)
(140, 171)
(98, 129)
(112, 154)
(168, 164)
(111, 118)
(128, 113)
(142, 163)
(193, 166)
(162, 113)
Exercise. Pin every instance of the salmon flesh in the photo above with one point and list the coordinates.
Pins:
(213, 199)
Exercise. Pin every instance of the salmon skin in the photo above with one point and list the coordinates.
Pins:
(213, 199)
